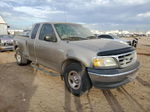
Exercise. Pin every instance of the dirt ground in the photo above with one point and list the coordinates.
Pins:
(24, 89)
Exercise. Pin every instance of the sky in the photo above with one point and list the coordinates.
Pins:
(104, 15)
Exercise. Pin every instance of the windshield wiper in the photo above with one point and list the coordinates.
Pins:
(91, 37)
(74, 38)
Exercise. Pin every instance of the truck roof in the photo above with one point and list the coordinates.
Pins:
(55, 23)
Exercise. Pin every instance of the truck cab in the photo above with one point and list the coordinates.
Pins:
(78, 56)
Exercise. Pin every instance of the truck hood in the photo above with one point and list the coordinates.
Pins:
(99, 44)
(122, 39)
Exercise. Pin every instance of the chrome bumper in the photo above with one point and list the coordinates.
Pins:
(6, 48)
(114, 77)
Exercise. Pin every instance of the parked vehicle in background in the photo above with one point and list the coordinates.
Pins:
(6, 42)
(25, 33)
(80, 58)
(117, 38)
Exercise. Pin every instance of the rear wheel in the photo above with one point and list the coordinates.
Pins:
(20, 59)
(77, 79)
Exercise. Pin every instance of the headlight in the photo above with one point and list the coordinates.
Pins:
(1, 43)
(104, 62)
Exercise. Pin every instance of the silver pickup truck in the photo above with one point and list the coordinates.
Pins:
(81, 59)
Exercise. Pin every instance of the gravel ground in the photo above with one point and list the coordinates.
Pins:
(24, 89)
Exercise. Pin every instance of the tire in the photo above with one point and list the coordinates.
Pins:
(76, 79)
(20, 59)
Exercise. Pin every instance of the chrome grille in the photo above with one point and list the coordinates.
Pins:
(8, 44)
(127, 59)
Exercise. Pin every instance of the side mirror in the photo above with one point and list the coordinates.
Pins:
(50, 38)
(47, 38)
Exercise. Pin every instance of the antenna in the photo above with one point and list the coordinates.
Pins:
(65, 15)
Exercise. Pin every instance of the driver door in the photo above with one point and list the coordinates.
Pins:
(46, 47)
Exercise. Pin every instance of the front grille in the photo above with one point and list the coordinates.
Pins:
(8, 44)
(126, 59)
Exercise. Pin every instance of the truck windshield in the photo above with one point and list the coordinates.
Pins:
(73, 32)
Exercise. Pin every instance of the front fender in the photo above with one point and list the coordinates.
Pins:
(81, 56)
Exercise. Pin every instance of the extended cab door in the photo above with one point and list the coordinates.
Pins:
(31, 43)
(46, 47)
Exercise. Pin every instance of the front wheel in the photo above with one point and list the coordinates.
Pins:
(76, 79)
(20, 59)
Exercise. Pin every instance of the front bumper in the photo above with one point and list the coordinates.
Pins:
(112, 78)
(6, 48)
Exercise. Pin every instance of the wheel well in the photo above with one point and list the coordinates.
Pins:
(15, 47)
(67, 62)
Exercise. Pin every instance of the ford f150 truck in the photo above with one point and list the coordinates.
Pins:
(81, 59)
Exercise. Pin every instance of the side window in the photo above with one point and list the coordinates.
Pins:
(105, 36)
(102, 36)
(34, 31)
(47, 33)
(108, 37)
